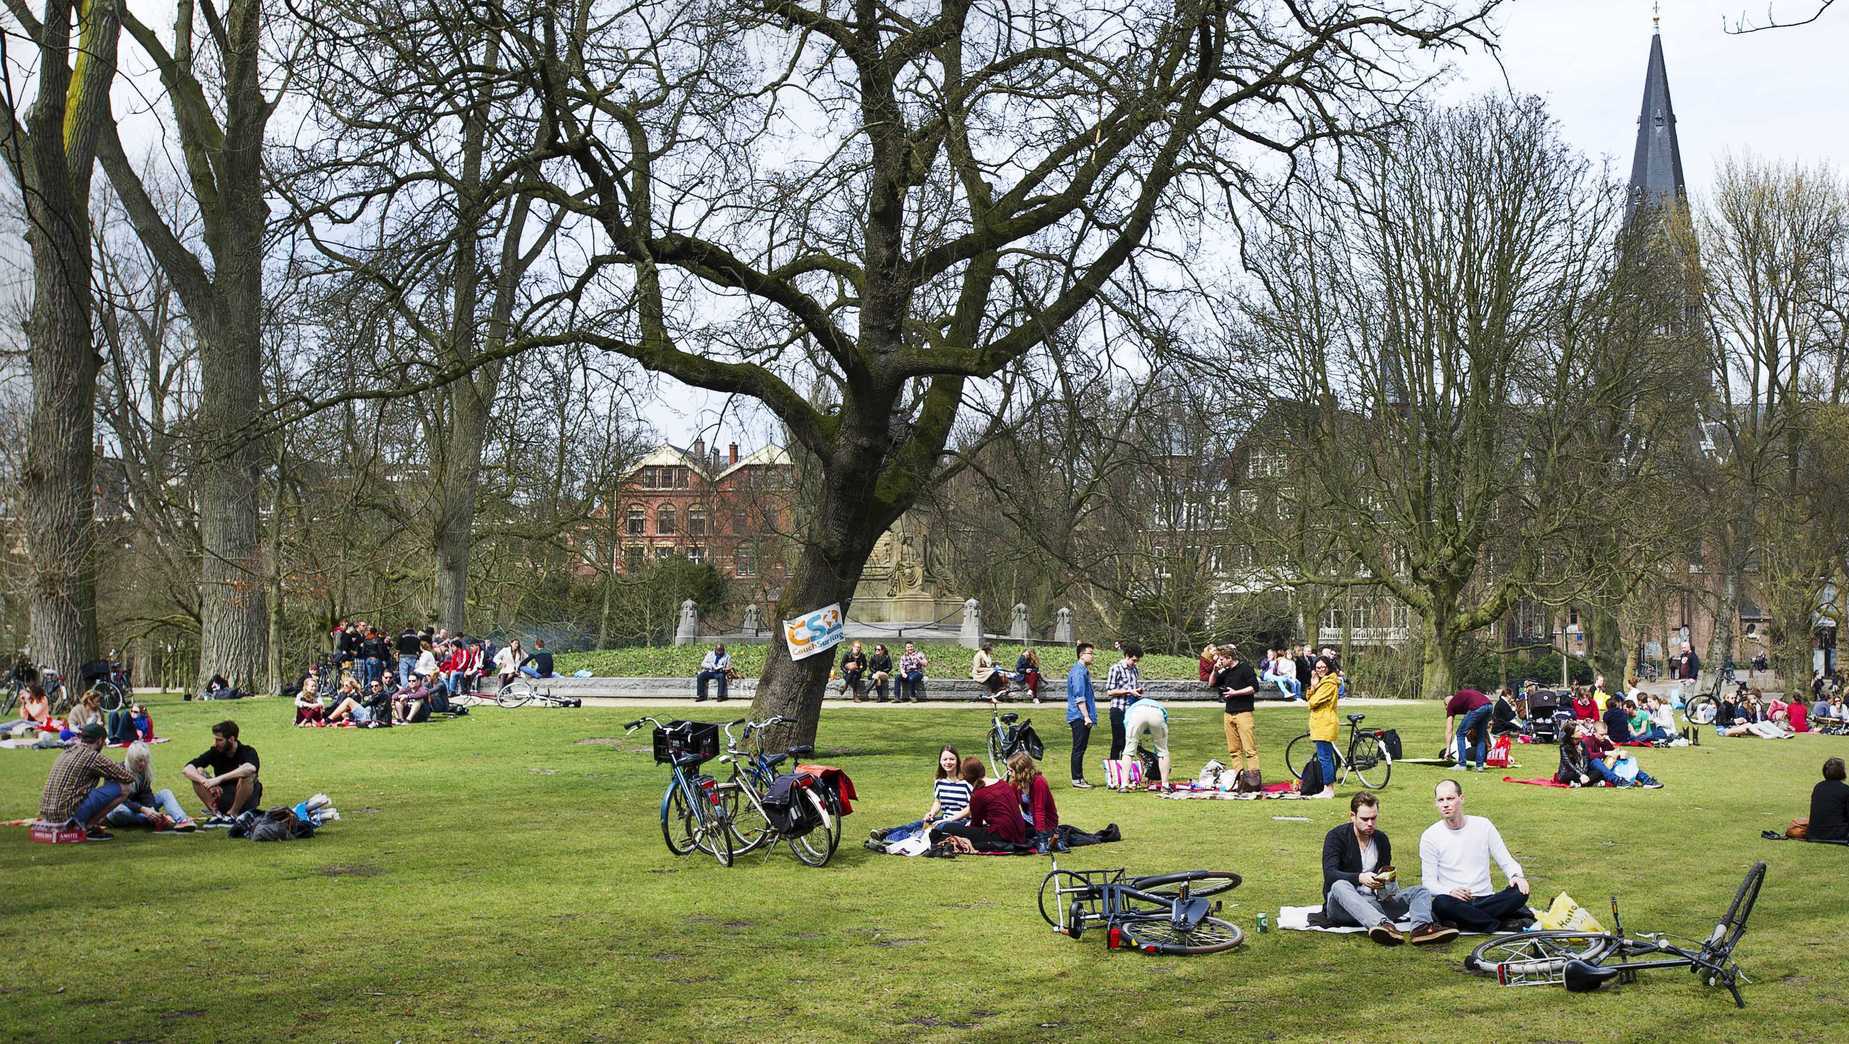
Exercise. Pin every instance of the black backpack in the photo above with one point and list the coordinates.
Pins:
(1025, 738)
(1313, 781)
(788, 807)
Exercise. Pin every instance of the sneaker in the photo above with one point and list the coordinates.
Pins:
(217, 822)
(97, 833)
(1429, 934)
(1653, 785)
(877, 835)
(186, 826)
(1385, 934)
(1079, 784)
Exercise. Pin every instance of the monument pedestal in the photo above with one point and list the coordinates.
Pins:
(899, 585)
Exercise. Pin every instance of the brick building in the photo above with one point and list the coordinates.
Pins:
(732, 512)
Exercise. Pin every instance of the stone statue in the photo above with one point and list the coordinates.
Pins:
(1017, 629)
(688, 631)
(970, 637)
(1062, 625)
(750, 624)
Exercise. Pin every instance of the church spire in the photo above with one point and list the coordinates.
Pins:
(1656, 166)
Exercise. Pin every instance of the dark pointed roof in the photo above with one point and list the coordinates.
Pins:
(1656, 166)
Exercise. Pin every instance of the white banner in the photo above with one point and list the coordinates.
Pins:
(815, 632)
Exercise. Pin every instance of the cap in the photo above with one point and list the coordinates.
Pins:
(92, 731)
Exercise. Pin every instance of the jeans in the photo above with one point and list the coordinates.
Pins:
(911, 685)
(122, 726)
(1325, 753)
(699, 683)
(1601, 772)
(1364, 908)
(1081, 738)
(533, 672)
(406, 666)
(122, 815)
(1483, 913)
(91, 807)
(1476, 721)
(1117, 733)
(1286, 683)
(373, 668)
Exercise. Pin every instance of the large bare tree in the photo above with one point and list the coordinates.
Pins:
(902, 200)
(51, 156)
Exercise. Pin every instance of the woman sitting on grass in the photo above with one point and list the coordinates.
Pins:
(1585, 708)
(308, 709)
(994, 822)
(957, 778)
(146, 807)
(349, 704)
(89, 709)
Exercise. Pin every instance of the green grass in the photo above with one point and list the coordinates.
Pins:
(947, 660)
(502, 877)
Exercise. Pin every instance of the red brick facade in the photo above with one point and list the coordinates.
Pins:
(734, 513)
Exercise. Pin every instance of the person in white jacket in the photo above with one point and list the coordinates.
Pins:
(507, 661)
(1454, 857)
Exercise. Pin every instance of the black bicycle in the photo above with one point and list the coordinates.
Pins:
(1006, 737)
(1155, 914)
(1367, 757)
(1585, 961)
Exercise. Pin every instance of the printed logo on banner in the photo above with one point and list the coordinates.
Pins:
(815, 632)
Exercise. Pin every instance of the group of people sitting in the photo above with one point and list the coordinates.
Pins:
(123, 724)
(1747, 712)
(379, 703)
(89, 789)
(969, 813)
(455, 661)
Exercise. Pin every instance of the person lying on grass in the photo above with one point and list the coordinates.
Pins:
(1359, 888)
(957, 778)
(143, 806)
(233, 786)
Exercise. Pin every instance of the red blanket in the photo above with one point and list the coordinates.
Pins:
(1538, 781)
(836, 780)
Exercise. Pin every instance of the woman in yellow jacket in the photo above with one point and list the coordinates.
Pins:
(1325, 684)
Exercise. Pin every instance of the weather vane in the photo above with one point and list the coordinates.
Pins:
(1656, 15)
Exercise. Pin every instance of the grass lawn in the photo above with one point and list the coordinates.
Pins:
(503, 877)
(947, 660)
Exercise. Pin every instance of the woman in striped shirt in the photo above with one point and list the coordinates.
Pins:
(950, 793)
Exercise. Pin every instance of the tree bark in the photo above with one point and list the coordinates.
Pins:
(1438, 673)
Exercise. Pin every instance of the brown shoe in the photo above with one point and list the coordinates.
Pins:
(1385, 934)
(1429, 934)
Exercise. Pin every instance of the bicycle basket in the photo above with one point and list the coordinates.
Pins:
(683, 739)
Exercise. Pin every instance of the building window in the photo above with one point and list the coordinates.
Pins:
(696, 555)
(665, 520)
(738, 522)
(1248, 501)
(1400, 617)
(651, 477)
(742, 563)
(1332, 618)
(664, 553)
(632, 560)
(638, 520)
(696, 521)
(1263, 464)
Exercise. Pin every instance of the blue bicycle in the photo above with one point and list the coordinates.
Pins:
(693, 811)
(802, 812)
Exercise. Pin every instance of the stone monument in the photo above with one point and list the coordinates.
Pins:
(970, 636)
(687, 631)
(899, 584)
(1017, 629)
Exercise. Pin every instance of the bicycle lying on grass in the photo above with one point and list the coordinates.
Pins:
(809, 818)
(1585, 961)
(1155, 914)
(1367, 757)
(694, 813)
(520, 692)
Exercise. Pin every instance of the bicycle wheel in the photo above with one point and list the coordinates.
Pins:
(1159, 935)
(996, 762)
(677, 820)
(745, 817)
(815, 847)
(1300, 752)
(1538, 953)
(1727, 933)
(1700, 710)
(1369, 762)
(10, 701)
(712, 832)
(515, 695)
(1201, 883)
(1056, 882)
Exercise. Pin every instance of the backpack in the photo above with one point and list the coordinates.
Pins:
(787, 805)
(1313, 781)
(1392, 739)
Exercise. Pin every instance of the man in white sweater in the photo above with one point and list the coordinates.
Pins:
(1454, 857)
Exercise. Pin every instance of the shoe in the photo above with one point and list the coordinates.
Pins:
(877, 835)
(699, 699)
(1385, 934)
(722, 699)
(1429, 934)
(218, 822)
(186, 827)
(1079, 784)
(97, 833)
(1653, 785)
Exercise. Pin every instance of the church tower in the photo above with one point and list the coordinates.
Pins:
(1656, 164)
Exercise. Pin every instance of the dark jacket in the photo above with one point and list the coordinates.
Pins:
(1342, 855)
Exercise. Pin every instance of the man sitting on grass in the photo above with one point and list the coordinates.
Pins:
(1356, 892)
(84, 785)
(1829, 804)
(1454, 855)
(233, 787)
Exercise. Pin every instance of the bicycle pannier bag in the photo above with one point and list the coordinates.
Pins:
(1392, 739)
(1025, 738)
(788, 806)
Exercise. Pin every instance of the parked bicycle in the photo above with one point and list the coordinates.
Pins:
(1367, 758)
(109, 681)
(1585, 961)
(1154, 914)
(807, 815)
(1006, 737)
(25, 675)
(693, 812)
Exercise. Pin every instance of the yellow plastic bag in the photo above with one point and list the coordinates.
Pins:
(1565, 915)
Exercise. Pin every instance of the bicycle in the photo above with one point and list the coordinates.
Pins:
(107, 679)
(1005, 738)
(751, 822)
(520, 692)
(1154, 914)
(693, 813)
(1585, 961)
(1703, 708)
(1367, 757)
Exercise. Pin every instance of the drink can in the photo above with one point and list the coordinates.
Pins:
(1264, 923)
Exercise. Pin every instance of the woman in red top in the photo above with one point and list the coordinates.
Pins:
(1584, 707)
(994, 823)
(1037, 807)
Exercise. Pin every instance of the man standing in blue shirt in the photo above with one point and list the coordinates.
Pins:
(1081, 712)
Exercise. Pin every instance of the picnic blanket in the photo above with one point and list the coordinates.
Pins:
(1310, 919)
(50, 741)
(1539, 781)
(1196, 792)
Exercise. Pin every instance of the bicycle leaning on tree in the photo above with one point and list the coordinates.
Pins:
(806, 815)
(1367, 757)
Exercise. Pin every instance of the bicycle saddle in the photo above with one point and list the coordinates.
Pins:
(1356, 717)
(1584, 978)
(802, 751)
(1189, 914)
(1010, 719)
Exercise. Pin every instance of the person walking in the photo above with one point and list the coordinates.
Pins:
(1081, 712)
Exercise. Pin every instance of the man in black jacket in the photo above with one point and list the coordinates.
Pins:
(1358, 881)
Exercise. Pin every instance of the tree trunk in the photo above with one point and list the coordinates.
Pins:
(276, 667)
(456, 500)
(1438, 674)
